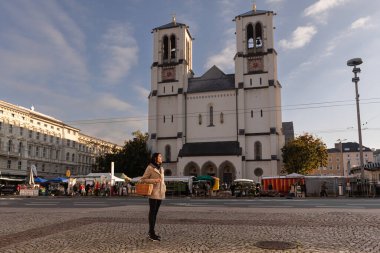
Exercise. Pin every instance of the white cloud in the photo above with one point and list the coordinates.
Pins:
(120, 51)
(361, 23)
(224, 59)
(142, 92)
(111, 102)
(300, 37)
(322, 6)
(274, 1)
(38, 45)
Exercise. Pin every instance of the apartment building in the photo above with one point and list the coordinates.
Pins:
(28, 138)
(343, 157)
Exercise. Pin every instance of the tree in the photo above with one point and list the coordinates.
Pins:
(131, 160)
(136, 155)
(304, 154)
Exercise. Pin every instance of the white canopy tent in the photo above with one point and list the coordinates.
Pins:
(107, 176)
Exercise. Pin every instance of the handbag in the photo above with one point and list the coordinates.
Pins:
(144, 189)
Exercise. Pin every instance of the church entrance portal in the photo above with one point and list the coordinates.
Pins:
(192, 169)
(209, 168)
(227, 172)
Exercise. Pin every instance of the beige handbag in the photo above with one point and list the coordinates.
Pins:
(144, 189)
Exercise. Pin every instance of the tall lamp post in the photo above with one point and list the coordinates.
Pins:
(354, 63)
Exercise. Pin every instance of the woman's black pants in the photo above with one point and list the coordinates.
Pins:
(154, 205)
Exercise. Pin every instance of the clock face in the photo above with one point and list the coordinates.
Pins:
(168, 74)
(255, 64)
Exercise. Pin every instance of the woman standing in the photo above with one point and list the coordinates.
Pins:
(154, 174)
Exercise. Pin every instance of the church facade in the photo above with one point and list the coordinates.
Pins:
(223, 125)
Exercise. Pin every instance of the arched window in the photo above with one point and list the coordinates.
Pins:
(258, 36)
(211, 115)
(165, 47)
(73, 157)
(167, 153)
(258, 150)
(172, 47)
(250, 43)
(10, 144)
(20, 147)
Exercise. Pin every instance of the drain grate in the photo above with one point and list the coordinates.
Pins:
(277, 245)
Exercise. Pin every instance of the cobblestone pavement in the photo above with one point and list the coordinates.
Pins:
(188, 229)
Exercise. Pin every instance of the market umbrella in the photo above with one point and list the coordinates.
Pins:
(58, 180)
(40, 180)
(207, 178)
(31, 177)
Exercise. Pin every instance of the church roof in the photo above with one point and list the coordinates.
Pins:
(218, 148)
(170, 25)
(213, 80)
(253, 13)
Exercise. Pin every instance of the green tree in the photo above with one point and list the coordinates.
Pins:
(131, 160)
(304, 154)
(136, 155)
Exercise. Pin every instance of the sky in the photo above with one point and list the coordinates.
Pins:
(87, 62)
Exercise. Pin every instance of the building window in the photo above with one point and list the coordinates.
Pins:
(10, 129)
(221, 118)
(258, 150)
(167, 153)
(44, 152)
(251, 113)
(37, 151)
(200, 119)
(258, 36)
(38, 135)
(1, 125)
(56, 154)
(261, 113)
(29, 150)
(67, 156)
(164, 118)
(211, 115)
(57, 140)
(51, 139)
(43, 167)
(68, 143)
(30, 134)
(250, 81)
(19, 165)
(10, 146)
(172, 118)
(20, 147)
(165, 47)
(250, 43)
(172, 47)
(45, 137)
(73, 157)
(21, 131)
(9, 164)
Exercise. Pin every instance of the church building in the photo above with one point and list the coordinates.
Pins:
(223, 125)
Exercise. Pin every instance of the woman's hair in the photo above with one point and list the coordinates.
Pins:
(154, 158)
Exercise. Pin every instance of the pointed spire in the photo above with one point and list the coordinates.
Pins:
(254, 6)
(173, 18)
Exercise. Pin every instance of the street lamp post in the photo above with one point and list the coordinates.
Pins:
(353, 63)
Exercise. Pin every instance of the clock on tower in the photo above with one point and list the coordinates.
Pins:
(255, 64)
(168, 74)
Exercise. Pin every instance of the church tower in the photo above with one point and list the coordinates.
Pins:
(170, 70)
(259, 94)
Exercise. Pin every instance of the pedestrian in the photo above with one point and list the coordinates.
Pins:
(323, 190)
(154, 174)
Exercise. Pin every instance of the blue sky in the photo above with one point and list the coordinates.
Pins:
(88, 62)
